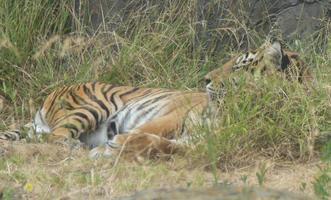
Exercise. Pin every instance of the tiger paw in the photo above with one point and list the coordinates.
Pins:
(101, 151)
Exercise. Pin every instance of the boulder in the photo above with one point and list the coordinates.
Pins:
(219, 21)
(286, 20)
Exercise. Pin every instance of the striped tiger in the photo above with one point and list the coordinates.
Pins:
(107, 117)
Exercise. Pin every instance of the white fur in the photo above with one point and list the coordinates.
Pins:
(100, 151)
(39, 125)
(99, 137)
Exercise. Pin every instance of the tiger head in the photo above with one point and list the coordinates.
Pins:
(265, 60)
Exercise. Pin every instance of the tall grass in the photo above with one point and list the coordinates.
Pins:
(274, 118)
(43, 48)
(277, 118)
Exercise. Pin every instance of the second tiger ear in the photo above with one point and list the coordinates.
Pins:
(275, 49)
(274, 54)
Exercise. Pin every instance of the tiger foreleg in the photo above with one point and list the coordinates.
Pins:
(144, 143)
(136, 144)
(152, 137)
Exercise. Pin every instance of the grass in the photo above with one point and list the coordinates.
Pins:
(266, 123)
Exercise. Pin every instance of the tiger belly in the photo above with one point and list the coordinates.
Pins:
(128, 118)
(137, 113)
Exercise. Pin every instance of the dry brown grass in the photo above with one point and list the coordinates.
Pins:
(58, 172)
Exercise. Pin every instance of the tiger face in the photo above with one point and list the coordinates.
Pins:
(266, 60)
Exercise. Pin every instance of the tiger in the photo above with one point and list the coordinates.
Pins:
(107, 118)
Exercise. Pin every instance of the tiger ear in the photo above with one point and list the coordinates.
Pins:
(275, 49)
(275, 54)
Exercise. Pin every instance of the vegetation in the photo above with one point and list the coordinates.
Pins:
(42, 48)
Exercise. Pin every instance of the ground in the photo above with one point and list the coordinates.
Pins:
(48, 171)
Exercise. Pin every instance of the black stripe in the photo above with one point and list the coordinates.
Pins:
(142, 106)
(72, 134)
(98, 101)
(246, 56)
(108, 89)
(155, 109)
(94, 113)
(152, 101)
(81, 99)
(80, 114)
(128, 92)
(82, 125)
(154, 92)
(84, 116)
(112, 100)
(160, 98)
(141, 117)
(62, 92)
(105, 92)
(52, 103)
(66, 105)
(112, 129)
(58, 93)
(126, 118)
(147, 92)
(93, 86)
(73, 97)
(41, 117)
(71, 127)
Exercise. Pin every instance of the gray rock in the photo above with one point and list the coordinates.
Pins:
(101, 15)
(287, 20)
(248, 19)
(215, 193)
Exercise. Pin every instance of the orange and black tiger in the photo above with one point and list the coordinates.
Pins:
(107, 117)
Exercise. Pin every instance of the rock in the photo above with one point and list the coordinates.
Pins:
(215, 193)
(218, 23)
(287, 20)
(106, 14)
